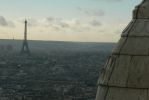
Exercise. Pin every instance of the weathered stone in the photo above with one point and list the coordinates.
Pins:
(115, 93)
(136, 46)
(107, 70)
(119, 46)
(102, 93)
(138, 27)
(120, 72)
(127, 30)
(130, 71)
(125, 75)
(139, 72)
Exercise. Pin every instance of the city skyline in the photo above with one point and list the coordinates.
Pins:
(66, 20)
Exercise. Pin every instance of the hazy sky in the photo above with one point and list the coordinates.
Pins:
(66, 20)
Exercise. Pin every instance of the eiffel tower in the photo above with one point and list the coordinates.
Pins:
(25, 48)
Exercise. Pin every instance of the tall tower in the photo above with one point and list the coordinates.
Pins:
(25, 48)
(126, 73)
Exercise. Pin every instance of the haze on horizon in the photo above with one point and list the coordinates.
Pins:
(66, 20)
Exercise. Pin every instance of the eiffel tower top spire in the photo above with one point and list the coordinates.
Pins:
(25, 31)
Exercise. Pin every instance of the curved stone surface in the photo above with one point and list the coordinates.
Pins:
(141, 11)
(137, 27)
(133, 46)
(125, 76)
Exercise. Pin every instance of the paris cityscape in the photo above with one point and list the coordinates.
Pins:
(52, 71)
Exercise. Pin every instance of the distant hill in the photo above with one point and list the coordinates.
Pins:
(44, 46)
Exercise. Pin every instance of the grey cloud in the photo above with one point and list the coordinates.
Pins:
(57, 22)
(95, 12)
(31, 21)
(6, 23)
(64, 25)
(95, 23)
(53, 19)
(3, 21)
(92, 12)
(56, 28)
(50, 19)
(74, 25)
(79, 28)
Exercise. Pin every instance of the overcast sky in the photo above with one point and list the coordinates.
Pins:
(66, 20)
